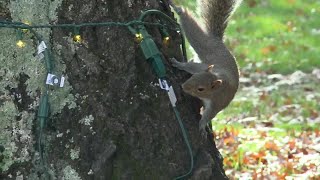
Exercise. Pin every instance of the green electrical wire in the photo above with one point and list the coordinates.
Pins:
(43, 111)
(176, 112)
(7, 24)
(159, 14)
(168, 19)
(186, 140)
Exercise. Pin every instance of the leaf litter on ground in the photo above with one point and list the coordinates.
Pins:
(271, 130)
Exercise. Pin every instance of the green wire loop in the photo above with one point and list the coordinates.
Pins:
(160, 15)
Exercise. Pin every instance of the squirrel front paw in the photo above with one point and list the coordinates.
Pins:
(174, 62)
(202, 129)
(203, 134)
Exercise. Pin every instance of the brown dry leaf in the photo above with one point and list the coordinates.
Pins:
(300, 12)
(252, 3)
(291, 1)
(304, 47)
(304, 168)
(263, 134)
(292, 144)
(270, 145)
(289, 167)
(234, 131)
(304, 151)
(305, 137)
(229, 140)
(267, 124)
(257, 156)
(312, 166)
(314, 114)
(287, 43)
(264, 161)
(227, 162)
(263, 96)
(308, 89)
(290, 156)
(267, 50)
(288, 101)
(254, 175)
(283, 176)
(245, 160)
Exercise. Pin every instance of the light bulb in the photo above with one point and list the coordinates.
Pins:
(77, 38)
(166, 40)
(139, 37)
(21, 44)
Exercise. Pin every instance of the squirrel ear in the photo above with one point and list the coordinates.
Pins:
(215, 84)
(210, 68)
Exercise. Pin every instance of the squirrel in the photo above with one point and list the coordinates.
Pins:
(215, 80)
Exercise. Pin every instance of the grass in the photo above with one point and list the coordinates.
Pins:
(279, 105)
(283, 35)
(276, 36)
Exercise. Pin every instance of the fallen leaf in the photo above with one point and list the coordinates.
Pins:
(292, 144)
(267, 50)
(252, 3)
(291, 1)
(270, 145)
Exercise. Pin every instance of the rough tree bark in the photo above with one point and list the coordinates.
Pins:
(111, 120)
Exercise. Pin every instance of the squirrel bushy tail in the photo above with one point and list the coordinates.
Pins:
(216, 14)
(209, 34)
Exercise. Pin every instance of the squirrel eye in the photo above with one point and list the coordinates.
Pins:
(200, 89)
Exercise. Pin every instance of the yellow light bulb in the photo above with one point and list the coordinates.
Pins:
(139, 37)
(77, 38)
(21, 44)
(26, 23)
(166, 40)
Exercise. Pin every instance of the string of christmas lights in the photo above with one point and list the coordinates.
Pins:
(147, 45)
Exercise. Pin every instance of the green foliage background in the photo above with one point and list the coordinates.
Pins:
(274, 36)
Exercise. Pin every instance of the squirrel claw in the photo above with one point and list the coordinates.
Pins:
(174, 62)
(203, 133)
(202, 129)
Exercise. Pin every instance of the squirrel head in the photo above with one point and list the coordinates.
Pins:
(202, 84)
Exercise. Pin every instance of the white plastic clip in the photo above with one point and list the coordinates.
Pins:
(164, 84)
(172, 96)
(41, 48)
(54, 80)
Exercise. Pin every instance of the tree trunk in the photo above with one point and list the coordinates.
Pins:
(111, 120)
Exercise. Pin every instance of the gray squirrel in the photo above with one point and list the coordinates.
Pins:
(215, 80)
